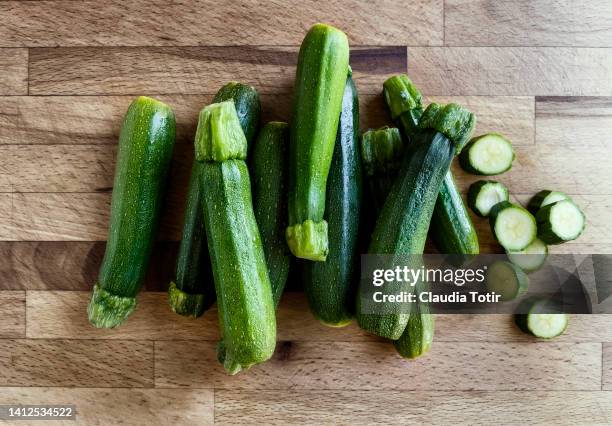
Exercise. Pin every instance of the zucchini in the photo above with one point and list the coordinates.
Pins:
(417, 338)
(269, 167)
(192, 291)
(484, 194)
(513, 226)
(451, 228)
(145, 150)
(531, 258)
(402, 226)
(535, 318)
(560, 222)
(242, 284)
(329, 285)
(489, 154)
(319, 85)
(506, 279)
(544, 198)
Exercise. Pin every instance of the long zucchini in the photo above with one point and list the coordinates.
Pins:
(329, 285)
(269, 167)
(319, 85)
(402, 226)
(146, 143)
(192, 291)
(242, 284)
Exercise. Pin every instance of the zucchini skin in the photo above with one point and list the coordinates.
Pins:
(319, 86)
(192, 291)
(269, 168)
(330, 285)
(417, 338)
(145, 150)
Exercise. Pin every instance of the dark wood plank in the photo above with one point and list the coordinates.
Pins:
(189, 70)
(254, 22)
(12, 314)
(13, 71)
(528, 23)
(79, 363)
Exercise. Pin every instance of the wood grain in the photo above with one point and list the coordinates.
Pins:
(79, 363)
(250, 22)
(606, 370)
(404, 407)
(13, 71)
(376, 366)
(573, 120)
(189, 70)
(12, 314)
(511, 71)
(528, 23)
(100, 406)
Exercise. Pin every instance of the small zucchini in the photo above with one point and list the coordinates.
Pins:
(560, 222)
(319, 85)
(489, 154)
(146, 143)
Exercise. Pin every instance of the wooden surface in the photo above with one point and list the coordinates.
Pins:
(539, 71)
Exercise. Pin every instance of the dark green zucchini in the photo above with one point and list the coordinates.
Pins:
(319, 85)
(248, 107)
(417, 338)
(269, 167)
(330, 285)
(146, 143)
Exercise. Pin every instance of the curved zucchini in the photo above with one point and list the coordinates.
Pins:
(402, 226)
(244, 293)
(269, 167)
(319, 85)
(329, 285)
(192, 291)
(145, 152)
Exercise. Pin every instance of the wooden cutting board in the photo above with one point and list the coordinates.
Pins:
(538, 71)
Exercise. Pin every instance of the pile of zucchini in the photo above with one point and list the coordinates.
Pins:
(262, 201)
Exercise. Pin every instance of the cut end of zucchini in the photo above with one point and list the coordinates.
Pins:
(514, 227)
(308, 240)
(489, 154)
(544, 198)
(381, 151)
(507, 280)
(452, 120)
(401, 95)
(185, 304)
(219, 136)
(537, 319)
(560, 222)
(106, 310)
(485, 194)
(532, 258)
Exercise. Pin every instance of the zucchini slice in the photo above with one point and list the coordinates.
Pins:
(531, 258)
(513, 226)
(538, 321)
(489, 154)
(506, 279)
(560, 222)
(544, 198)
(484, 194)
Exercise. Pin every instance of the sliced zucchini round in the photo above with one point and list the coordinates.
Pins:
(489, 154)
(560, 222)
(538, 320)
(506, 279)
(484, 194)
(513, 226)
(531, 258)
(544, 198)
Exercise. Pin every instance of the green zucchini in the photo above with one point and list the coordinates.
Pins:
(146, 143)
(506, 279)
(484, 194)
(329, 285)
(192, 291)
(489, 154)
(537, 317)
(560, 222)
(417, 338)
(269, 167)
(319, 85)
(513, 226)
(544, 198)
(402, 226)
(531, 258)
(242, 284)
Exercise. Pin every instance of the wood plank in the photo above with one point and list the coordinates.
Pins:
(12, 314)
(511, 71)
(13, 71)
(574, 120)
(362, 407)
(189, 70)
(376, 366)
(79, 363)
(101, 406)
(250, 22)
(528, 23)
(606, 370)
